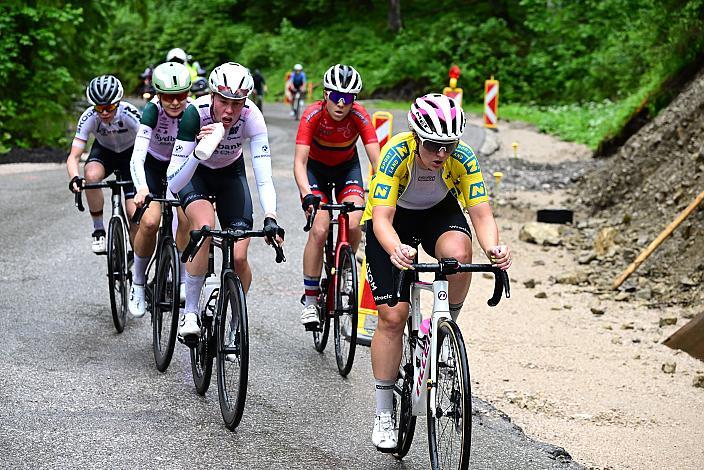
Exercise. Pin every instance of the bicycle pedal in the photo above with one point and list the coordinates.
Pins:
(387, 451)
(313, 327)
(191, 340)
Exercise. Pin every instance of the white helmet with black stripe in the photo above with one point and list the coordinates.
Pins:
(342, 78)
(104, 89)
(231, 80)
(437, 117)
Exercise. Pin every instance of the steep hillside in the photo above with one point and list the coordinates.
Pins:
(643, 187)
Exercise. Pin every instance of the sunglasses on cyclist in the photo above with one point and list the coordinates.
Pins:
(436, 147)
(337, 96)
(169, 97)
(106, 108)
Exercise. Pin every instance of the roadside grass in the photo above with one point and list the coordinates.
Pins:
(587, 123)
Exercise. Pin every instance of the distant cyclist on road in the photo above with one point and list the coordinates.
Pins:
(259, 87)
(150, 160)
(222, 175)
(114, 123)
(326, 155)
(296, 83)
(426, 179)
(179, 55)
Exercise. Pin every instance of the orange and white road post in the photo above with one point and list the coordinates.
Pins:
(383, 124)
(491, 102)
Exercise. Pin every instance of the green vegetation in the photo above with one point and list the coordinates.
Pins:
(578, 69)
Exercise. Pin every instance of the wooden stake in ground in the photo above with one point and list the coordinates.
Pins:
(655, 243)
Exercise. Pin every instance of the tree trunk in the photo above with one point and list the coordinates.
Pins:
(395, 23)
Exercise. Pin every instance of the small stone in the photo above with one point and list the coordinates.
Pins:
(645, 293)
(635, 340)
(597, 311)
(627, 326)
(669, 367)
(687, 314)
(541, 295)
(636, 357)
(529, 284)
(608, 327)
(667, 321)
(698, 381)
(688, 281)
(567, 307)
(621, 296)
(586, 257)
(616, 340)
(538, 262)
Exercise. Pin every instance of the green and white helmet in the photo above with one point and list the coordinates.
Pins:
(171, 78)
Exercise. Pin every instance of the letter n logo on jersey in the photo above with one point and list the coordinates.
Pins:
(477, 190)
(382, 191)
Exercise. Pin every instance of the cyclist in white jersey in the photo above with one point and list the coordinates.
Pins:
(150, 160)
(114, 124)
(221, 174)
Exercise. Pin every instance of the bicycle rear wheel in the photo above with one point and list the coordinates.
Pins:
(403, 408)
(233, 352)
(346, 313)
(117, 273)
(450, 430)
(165, 302)
(320, 335)
(204, 351)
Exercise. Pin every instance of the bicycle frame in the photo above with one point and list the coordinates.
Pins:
(332, 254)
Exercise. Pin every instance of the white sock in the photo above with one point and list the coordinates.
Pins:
(384, 396)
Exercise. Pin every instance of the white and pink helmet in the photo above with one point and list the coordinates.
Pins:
(436, 117)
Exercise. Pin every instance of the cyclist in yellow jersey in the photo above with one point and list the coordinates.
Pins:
(426, 178)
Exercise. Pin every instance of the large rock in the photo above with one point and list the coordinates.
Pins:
(540, 233)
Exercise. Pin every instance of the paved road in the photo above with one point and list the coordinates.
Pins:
(77, 395)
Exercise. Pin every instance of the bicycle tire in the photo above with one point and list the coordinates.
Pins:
(203, 353)
(165, 306)
(320, 336)
(233, 351)
(117, 276)
(345, 323)
(403, 407)
(453, 403)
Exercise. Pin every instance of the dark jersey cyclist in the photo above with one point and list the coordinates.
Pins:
(425, 180)
(326, 156)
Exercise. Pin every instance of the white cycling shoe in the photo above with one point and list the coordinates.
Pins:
(188, 325)
(137, 304)
(98, 244)
(384, 436)
(309, 316)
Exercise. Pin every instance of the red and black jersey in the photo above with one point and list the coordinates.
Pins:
(333, 142)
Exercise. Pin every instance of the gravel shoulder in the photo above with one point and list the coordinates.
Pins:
(590, 382)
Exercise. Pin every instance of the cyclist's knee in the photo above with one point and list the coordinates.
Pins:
(241, 263)
(318, 233)
(149, 225)
(392, 320)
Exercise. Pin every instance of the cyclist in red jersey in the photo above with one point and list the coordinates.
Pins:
(326, 155)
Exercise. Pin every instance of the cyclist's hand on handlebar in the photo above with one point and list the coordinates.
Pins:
(140, 196)
(500, 256)
(403, 256)
(76, 184)
(273, 231)
(309, 202)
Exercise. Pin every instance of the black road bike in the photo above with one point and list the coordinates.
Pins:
(224, 326)
(119, 253)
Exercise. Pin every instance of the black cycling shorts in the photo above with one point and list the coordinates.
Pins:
(414, 227)
(155, 172)
(346, 178)
(114, 162)
(229, 187)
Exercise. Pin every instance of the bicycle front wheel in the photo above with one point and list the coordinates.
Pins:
(450, 429)
(165, 302)
(346, 313)
(117, 273)
(233, 352)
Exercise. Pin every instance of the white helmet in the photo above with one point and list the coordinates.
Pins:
(231, 80)
(177, 55)
(342, 78)
(297, 67)
(436, 117)
(103, 90)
